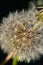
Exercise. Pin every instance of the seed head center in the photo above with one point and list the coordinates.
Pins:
(22, 34)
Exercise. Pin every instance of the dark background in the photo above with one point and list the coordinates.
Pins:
(7, 6)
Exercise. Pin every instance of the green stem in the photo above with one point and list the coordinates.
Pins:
(15, 60)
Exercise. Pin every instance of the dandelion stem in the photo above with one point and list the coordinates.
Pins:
(7, 58)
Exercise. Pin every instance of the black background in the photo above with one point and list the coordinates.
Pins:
(7, 6)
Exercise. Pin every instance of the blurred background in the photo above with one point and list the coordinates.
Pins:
(7, 6)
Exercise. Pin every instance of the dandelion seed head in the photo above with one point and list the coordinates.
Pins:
(15, 34)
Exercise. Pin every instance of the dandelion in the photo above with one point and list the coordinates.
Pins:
(22, 33)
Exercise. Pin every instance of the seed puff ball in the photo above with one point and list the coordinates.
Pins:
(15, 34)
